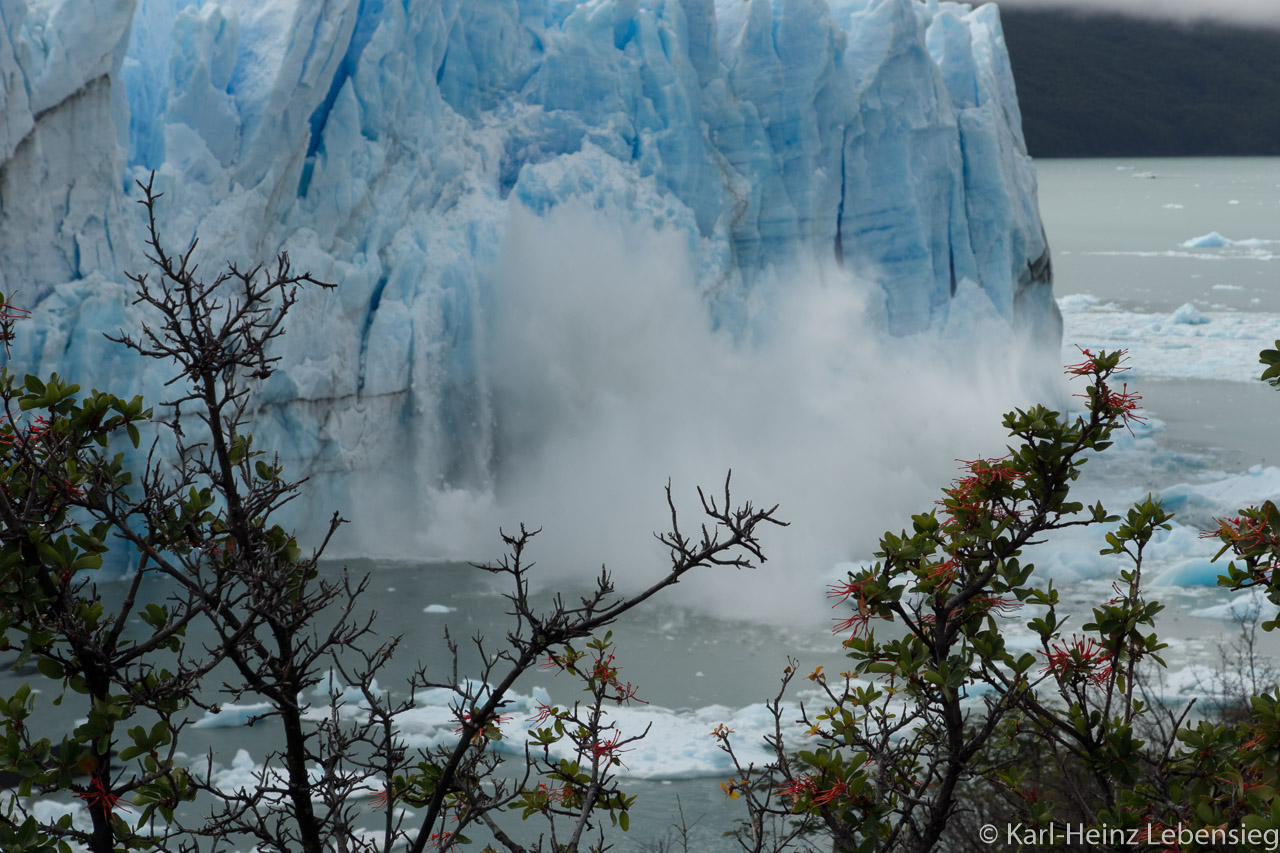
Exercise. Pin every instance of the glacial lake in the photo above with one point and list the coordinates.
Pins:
(1135, 267)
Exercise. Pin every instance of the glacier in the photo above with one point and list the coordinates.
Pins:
(405, 150)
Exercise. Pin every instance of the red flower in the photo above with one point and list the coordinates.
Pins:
(987, 471)
(1087, 367)
(627, 694)
(842, 591)
(9, 314)
(99, 797)
(1244, 533)
(821, 798)
(944, 572)
(859, 622)
(798, 787)
(989, 603)
(381, 800)
(855, 589)
(803, 786)
(1125, 404)
(1080, 656)
(545, 713)
(603, 668)
(1251, 743)
(33, 435)
(608, 749)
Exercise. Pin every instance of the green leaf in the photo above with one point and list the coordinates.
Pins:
(87, 561)
(49, 668)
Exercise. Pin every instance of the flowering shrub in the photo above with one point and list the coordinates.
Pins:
(938, 726)
(197, 519)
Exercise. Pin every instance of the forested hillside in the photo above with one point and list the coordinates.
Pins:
(1109, 85)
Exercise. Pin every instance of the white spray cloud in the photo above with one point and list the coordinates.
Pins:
(608, 380)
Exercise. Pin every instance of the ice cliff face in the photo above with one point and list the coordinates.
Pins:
(388, 146)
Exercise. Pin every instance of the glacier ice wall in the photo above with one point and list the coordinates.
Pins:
(390, 146)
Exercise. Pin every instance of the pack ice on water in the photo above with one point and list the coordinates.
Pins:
(547, 218)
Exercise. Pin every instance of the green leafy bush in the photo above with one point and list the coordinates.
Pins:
(940, 737)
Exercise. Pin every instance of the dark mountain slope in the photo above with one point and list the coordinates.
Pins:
(1114, 86)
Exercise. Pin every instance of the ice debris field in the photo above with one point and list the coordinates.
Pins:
(1187, 343)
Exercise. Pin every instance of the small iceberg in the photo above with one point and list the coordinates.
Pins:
(1192, 572)
(1212, 240)
(1188, 315)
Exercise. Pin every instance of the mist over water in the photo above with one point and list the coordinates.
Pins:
(609, 377)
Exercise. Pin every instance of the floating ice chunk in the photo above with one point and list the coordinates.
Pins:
(1240, 608)
(1212, 240)
(1173, 207)
(245, 773)
(1200, 571)
(1227, 287)
(49, 811)
(1180, 542)
(438, 608)
(1187, 315)
(232, 716)
(1201, 503)
(1078, 301)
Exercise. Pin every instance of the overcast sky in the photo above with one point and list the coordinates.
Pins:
(1235, 11)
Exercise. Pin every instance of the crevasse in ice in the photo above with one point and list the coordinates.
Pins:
(386, 145)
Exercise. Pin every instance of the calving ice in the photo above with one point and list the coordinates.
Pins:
(533, 207)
